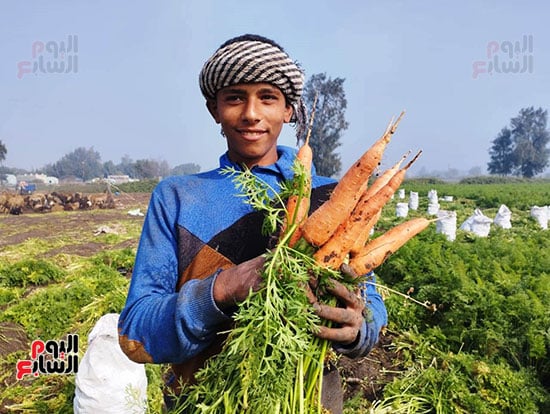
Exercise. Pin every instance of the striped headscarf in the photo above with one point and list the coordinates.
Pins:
(255, 59)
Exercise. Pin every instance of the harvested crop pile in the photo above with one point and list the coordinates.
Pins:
(13, 203)
(271, 360)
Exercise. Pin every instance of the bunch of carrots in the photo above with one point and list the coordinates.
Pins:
(270, 361)
(340, 228)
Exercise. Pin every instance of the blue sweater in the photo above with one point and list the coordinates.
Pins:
(195, 226)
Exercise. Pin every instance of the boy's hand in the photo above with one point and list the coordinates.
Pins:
(347, 319)
(233, 285)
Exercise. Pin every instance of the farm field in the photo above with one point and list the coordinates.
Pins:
(485, 348)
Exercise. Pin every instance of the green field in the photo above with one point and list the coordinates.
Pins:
(485, 349)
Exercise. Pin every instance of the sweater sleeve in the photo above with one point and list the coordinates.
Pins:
(159, 324)
(376, 318)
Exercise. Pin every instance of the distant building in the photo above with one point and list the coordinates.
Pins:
(11, 180)
(119, 179)
(38, 178)
(51, 180)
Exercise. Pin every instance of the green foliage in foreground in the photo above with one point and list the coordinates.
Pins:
(441, 381)
(29, 272)
(493, 313)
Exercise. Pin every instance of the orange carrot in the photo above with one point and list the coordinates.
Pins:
(380, 182)
(297, 206)
(383, 179)
(324, 221)
(335, 250)
(379, 249)
(365, 233)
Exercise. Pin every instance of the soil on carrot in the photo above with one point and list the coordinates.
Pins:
(84, 230)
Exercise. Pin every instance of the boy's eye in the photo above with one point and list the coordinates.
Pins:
(269, 97)
(233, 98)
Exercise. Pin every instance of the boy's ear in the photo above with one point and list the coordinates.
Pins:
(213, 109)
(289, 111)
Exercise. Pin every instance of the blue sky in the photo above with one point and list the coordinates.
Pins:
(135, 90)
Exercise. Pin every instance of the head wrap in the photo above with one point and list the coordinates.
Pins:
(255, 59)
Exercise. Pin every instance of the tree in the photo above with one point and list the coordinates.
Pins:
(329, 122)
(127, 166)
(109, 168)
(501, 154)
(3, 151)
(148, 168)
(185, 169)
(530, 137)
(522, 149)
(82, 163)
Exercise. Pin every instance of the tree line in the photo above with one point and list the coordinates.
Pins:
(86, 164)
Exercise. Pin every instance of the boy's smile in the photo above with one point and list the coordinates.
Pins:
(252, 116)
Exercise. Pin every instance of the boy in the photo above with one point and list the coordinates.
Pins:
(201, 249)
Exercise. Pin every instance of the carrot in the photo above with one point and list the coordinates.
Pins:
(365, 233)
(297, 205)
(335, 250)
(380, 182)
(383, 179)
(379, 249)
(324, 221)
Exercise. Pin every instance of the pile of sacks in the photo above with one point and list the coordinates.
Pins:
(477, 223)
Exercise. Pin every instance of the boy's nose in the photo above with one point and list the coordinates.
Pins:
(251, 112)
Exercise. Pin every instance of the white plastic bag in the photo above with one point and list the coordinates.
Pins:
(401, 209)
(446, 224)
(478, 223)
(413, 200)
(433, 208)
(107, 381)
(503, 217)
(432, 196)
(401, 193)
(540, 214)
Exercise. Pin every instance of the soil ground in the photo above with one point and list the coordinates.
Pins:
(365, 375)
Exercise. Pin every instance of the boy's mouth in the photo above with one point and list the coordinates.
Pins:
(251, 133)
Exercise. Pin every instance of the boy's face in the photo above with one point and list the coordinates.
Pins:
(251, 116)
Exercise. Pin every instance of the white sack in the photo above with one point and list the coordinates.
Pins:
(432, 196)
(477, 223)
(401, 209)
(433, 208)
(401, 193)
(413, 200)
(107, 380)
(540, 214)
(446, 224)
(503, 217)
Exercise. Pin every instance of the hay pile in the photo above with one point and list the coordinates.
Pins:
(13, 203)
